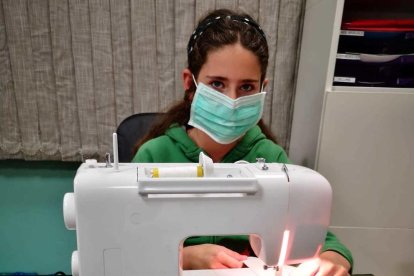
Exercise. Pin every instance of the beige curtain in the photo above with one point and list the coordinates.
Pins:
(72, 70)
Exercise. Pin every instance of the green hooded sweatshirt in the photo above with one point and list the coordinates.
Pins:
(177, 147)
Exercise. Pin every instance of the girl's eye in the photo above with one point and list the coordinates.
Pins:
(247, 88)
(217, 84)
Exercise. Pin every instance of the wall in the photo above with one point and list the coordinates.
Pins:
(33, 237)
(366, 151)
(310, 85)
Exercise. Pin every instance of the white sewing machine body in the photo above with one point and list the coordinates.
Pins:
(129, 223)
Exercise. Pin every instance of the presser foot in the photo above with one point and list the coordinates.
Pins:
(277, 270)
(274, 267)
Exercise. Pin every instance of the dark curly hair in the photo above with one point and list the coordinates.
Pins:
(224, 27)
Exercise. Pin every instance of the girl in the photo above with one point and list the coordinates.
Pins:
(221, 116)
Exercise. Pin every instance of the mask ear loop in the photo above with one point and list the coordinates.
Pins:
(195, 82)
(261, 89)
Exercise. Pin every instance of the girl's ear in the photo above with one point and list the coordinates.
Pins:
(187, 79)
(265, 83)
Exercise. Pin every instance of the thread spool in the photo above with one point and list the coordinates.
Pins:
(187, 171)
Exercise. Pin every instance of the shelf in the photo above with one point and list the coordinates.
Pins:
(359, 89)
(382, 32)
(377, 9)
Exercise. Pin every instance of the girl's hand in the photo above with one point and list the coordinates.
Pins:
(211, 256)
(329, 263)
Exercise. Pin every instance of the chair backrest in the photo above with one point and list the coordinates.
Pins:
(130, 130)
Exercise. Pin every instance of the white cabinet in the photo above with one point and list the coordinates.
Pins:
(362, 140)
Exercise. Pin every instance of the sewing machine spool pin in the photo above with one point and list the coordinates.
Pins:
(115, 150)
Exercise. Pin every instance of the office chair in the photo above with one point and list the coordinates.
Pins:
(130, 130)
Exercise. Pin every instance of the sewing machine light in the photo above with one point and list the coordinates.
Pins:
(284, 248)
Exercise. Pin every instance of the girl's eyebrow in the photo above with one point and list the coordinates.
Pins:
(217, 78)
(225, 79)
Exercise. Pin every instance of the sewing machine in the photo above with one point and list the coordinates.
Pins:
(131, 218)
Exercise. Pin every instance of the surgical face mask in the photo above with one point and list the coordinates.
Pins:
(225, 120)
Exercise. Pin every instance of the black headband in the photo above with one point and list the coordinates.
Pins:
(201, 28)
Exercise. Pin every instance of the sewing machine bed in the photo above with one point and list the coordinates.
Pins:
(254, 268)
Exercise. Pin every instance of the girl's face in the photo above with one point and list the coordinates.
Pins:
(231, 70)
